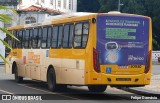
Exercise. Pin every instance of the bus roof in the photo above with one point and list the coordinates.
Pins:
(50, 20)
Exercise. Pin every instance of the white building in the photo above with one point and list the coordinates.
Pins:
(35, 14)
(35, 11)
(11, 4)
(59, 5)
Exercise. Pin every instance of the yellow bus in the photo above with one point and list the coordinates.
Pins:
(94, 50)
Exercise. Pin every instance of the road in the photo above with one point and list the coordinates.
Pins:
(156, 69)
(9, 86)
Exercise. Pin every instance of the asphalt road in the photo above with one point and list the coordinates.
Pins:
(156, 69)
(9, 86)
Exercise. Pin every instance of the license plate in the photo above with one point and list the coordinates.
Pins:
(123, 79)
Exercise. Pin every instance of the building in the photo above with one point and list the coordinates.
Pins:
(35, 14)
(35, 11)
(10, 4)
(59, 5)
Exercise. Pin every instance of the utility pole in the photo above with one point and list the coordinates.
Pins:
(119, 5)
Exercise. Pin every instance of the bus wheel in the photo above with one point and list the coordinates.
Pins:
(97, 88)
(18, 79)
(51, 80)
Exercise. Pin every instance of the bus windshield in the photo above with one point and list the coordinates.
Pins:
(122, 40)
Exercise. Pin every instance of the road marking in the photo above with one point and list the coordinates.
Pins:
(47, 91)
(6, 92)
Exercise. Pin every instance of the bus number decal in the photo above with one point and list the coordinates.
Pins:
(136, 66)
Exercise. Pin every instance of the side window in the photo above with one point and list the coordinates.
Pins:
(60, 34)
(14, 41)
(39, 37)
(26, 38)
(78, 35)
(81, 33)
(68, 34)
(30, 37)
(54, 37)
(71, 35)
(49, 37)
(36, 37)
(44, 38)
(20, 37)
(85, 34)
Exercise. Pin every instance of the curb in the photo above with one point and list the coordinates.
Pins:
(141, 91)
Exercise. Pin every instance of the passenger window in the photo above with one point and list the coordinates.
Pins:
(26, 39)
(30, 37)
(71, 35)
(85, 34)
(49, 37)
(68, 34)
(78, 35)
(39, 37)
(44, 38)
(14, 41)
(36, 38)
(54, 37)
(60, 34)
(81, 35)
(20, 37)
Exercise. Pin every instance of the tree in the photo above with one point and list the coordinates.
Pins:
(108, 5)
(4, 18)
(88, 5)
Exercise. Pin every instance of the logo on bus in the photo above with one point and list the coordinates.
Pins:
(135, 58)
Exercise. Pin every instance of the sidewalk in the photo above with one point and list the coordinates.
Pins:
(153, 88)
(155, 84)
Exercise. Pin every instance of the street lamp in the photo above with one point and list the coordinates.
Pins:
(119, 5)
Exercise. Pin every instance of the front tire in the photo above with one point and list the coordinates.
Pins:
(97, 88)
(51, 80)
(18, 79)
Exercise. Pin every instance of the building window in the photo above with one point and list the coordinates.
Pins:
(64, 4)
(30, 20)
(59, 3)
(42, 1)
(70, 4)
(55, 4)
(37, 2)
(51, 2)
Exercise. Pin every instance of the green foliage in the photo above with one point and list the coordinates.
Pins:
(108, 5)
(88, 5)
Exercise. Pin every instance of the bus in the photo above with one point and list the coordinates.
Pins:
(91, 49)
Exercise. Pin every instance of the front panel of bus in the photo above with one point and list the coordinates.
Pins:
(123, 49)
